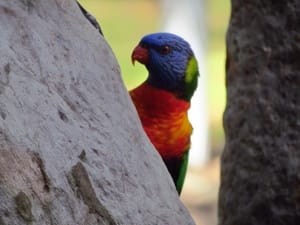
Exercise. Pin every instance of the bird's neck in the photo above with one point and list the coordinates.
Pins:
(166, 80)
(158, 101)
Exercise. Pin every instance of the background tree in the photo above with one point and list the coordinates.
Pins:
(261, 160)
(72, 149)
(187, 19)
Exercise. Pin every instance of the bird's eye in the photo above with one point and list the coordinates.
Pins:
(165, 50)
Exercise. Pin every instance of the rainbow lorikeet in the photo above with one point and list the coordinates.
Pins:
(163, 100)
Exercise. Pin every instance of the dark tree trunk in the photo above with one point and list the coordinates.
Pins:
(260, 177)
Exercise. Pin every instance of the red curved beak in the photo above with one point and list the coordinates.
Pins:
(140, 54)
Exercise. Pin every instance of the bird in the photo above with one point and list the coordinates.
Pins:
(162, 101)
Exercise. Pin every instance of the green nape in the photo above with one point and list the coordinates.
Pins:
(190, 79)
(182, 173)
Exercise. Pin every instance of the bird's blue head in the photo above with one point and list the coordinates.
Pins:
(170, 62)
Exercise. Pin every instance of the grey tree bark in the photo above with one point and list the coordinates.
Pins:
(72, 150)
(261, 160)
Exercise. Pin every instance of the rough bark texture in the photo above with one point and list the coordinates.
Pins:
(261, 160)
(72, 150)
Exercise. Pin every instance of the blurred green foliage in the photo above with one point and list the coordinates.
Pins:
(124, 22)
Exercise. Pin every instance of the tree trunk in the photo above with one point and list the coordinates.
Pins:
(261, 160)
(72, 150)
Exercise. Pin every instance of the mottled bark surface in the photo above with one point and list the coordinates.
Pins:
(72, 150)
(261, 160)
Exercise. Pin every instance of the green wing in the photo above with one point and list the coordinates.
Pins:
(177, 168)
(182, 172)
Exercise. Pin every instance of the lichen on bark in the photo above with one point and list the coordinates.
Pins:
(24, 206)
